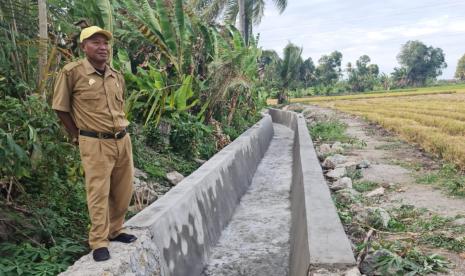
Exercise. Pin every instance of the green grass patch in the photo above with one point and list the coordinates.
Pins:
(443, 240)
(401, 258)
(448, 177)
(329, 131)
(365, 186)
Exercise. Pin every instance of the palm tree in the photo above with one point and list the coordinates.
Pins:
(250, 12)
(289, 69)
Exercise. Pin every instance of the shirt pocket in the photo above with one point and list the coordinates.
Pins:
(119, 98)
(90, 100)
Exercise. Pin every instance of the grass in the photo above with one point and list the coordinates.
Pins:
(329, 131)
(368, 96)
(410, 165)
(365, 186)
(354, 173)
(443, 89)
(448, 177)
(436, 122)
(400, 245)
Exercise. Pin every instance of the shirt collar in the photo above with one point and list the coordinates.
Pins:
(90, 69)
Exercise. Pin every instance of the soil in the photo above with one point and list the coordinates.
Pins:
(398, 164)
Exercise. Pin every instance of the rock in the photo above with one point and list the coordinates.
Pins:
(363, 164)
(352, 272)
(379, 213)
(342, 183)
(350, 166)
(336, 144)
(174, 177)
(347, 196)
(337, 147)
(346, 145)
(337, 173)
(331, 162)
(144, 192)
(376, 192)
(459, 222)
(140, 174)
(324, 149)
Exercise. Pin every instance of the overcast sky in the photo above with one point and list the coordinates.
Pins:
(358, 27)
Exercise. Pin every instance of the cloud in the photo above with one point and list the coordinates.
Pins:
(366, 27)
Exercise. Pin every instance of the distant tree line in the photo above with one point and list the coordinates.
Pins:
(419, 65)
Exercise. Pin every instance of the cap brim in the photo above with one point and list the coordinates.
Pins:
(103, 32)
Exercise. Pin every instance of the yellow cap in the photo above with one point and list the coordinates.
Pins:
(90, 31)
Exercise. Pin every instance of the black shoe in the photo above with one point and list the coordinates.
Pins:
(124, 238)
(101, 254)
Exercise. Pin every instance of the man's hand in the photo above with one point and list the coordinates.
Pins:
(69, 124)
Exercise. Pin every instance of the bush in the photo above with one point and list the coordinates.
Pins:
(46, 181)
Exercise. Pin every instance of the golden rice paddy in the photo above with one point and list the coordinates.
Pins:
(435, 120)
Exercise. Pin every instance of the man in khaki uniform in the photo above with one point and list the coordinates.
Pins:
(88, 99)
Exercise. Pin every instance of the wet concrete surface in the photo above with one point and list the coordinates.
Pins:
(256, 241)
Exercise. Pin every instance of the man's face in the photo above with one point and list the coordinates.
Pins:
(96, 48)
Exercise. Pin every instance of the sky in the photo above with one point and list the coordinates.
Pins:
(358, 27)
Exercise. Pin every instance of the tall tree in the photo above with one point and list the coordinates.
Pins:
(421, 62)
(43, 42)
(329, 70)
(211, 10)
(289, 69)
(460, 71)
(364, 76)
(307, 72)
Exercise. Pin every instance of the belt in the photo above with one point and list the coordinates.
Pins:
(103, 135)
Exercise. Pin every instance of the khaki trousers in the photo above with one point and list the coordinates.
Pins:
(109, 171)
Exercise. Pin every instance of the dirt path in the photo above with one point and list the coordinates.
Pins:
(397, 164)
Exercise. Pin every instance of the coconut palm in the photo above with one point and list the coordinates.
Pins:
(289, 69)
(253, 11)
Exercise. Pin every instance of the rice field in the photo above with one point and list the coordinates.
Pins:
(434, 120)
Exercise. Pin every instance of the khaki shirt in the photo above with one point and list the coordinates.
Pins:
(95, 102)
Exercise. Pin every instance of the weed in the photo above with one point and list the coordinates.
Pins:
(354, 173)
(444, 241)
(329, 131)
(365, 186)
(411, 165)
(447, 177)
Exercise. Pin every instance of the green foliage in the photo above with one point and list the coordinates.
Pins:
(443, 240)
(365, 186)
(447, 177)
(421, 62)
(354, 173)
(398, 259)
(328, 71)
(364, 76)
(329, 131)
(187, 135)
(289, 69)
(460, 71)
(47, 179)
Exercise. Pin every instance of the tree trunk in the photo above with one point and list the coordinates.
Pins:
(43, 43)
(242, 21)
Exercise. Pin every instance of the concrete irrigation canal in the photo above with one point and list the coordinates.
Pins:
(259, 207)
